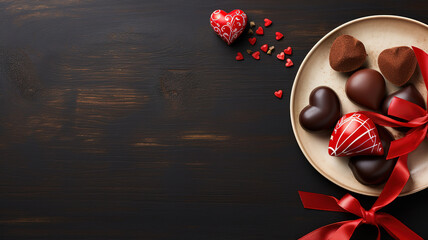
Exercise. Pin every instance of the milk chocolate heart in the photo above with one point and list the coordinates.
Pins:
(366, 87)
(397, 64)
(347, 54)
(372, 170)
(322, 112)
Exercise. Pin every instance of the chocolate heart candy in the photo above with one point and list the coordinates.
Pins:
(366, 87)
(322, 112)
(409, 93)
(347, 54)
(372, 170)
(397, 64)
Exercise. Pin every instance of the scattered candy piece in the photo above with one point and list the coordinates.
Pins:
(278, 94)
(252, 40)
(250, 31)
(249, 51)
(252, 24)
(264, 47)
(280, 56)
(271, 48)
(256, 55)
(239, 57)
(268, 22)
(278, 36)
(259, 31)
(289, 63)
(288, 51)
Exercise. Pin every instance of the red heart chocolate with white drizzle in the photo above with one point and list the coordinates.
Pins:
(355, 134)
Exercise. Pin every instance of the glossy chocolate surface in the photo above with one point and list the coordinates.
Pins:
(373, 170)
(366, 87)
(409, 93)
(322, 112)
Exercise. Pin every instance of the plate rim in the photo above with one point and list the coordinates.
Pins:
(293, 92)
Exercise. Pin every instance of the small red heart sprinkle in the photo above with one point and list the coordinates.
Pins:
(239, 57)
(280, 56)
(278, 94)
(289, 63)
(256, 55)
(259, 31)
(288, 51)
(278, 36)
(252, 40)
(264, 47)
(268, 22)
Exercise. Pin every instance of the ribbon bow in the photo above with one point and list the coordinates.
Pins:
(417, 119)
(345, 229)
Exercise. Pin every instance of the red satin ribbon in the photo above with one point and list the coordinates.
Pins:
(345, 229)
(417, 119)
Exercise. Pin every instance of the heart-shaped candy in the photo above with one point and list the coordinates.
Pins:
(252, 40)
(355, 134)
(278, 94)
(278, 36)
(322, 112)
(264, 47)
(268, 22)
(280, 56)
(239, 57)
(288, 51)
(409, 93)
(372, 170)
(229, 26)
(256, 55)
(289, 63)
(366, 87)
(259, 31)
(397, 64)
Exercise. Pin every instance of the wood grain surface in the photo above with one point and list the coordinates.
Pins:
(132, 120)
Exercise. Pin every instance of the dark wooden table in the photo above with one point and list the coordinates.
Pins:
(132, 120)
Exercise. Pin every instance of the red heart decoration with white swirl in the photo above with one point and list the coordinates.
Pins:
(355, 134)
(229, 26)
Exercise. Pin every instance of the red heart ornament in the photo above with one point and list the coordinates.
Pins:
(289, 63)
(264, 47)
(280, 56)
(239, 57)
(288, 51)
(278, 94)
(229, 26)
(259, 31)
(256, 55)
(278, 35)
(252, 41)
(268, 22)
(355, 134)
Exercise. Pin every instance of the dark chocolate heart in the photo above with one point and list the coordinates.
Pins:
(409, 93)
(373, 170)
(366, 87)
(322, 112)
(397, 64)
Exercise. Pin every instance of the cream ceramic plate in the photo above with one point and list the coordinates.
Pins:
(377, 33)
